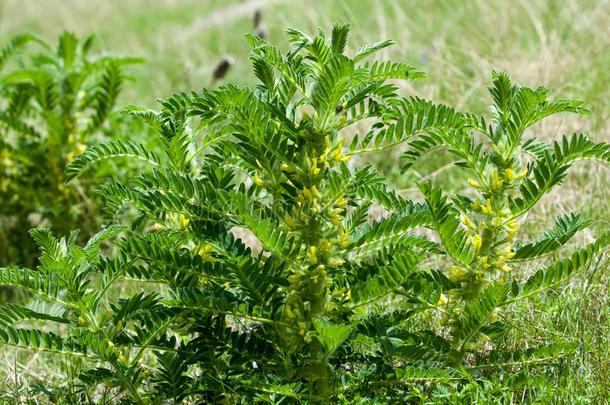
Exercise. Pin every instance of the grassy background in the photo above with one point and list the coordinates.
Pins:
(563, 43)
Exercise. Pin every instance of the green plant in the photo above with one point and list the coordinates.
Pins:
(479, 230)
(269, 280)
(54, 102)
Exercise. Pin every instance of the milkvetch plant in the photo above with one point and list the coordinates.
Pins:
(54, 102)
(509, 173)
(267, 279)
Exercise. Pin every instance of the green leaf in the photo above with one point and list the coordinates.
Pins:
(331, 335)
(110, 150)
(565, 227)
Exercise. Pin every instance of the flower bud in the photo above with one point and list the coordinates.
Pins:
(473, 183)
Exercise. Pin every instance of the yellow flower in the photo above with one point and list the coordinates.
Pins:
(289, 221)
(314, 192)
(473, 183)
(336, 262)
(307, 194)
(509, 174)
(341, 120)
(484, 262)
(288, 168)
(302, 328)
(477, 241)
(486, 209)
(335, 217)
(204, 251)
(314, 170)
(337, 153)
(496, 181)
(80, 148)
(456, 273)
(442, 300)
(344, 240)
(466, 220)
(184, 221)
(325, 246)
(258, 181)
(312, 255)
(512, 227)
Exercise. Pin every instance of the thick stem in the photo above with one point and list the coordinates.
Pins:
(320, 369)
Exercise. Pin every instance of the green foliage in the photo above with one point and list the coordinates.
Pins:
(269, 281)
(54, 102)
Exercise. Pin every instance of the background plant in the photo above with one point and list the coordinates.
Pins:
(329, 305)
(54, 102)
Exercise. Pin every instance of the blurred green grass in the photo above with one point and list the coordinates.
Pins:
(561, 43)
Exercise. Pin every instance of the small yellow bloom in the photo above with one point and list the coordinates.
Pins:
(314, 169)
(204, 251)
(314, 192)
(484, 262)
(342, 119)
(312, 255)
(442, 300)
(344, 240)
(289, 221)
(477, 241)
(512, 228)
(336, 262)
(509, 174)
(456, 273)
(496, 181)
(80, 148)
(302, 328)
(473, 183)
(288, 168)
(466, 220)
(307, 194)
(325, 246)
(184, 221)
(486, 209)
(258, 181)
